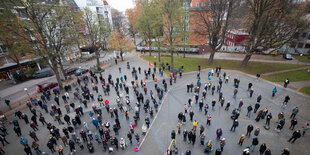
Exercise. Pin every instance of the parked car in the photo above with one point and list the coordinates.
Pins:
(43, 73)
(80, 71)
(46, 86)
(70, 71)
(287, 57)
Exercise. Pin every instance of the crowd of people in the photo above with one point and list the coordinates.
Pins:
(103, 119)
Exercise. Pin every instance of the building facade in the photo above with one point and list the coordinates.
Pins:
(99, 7)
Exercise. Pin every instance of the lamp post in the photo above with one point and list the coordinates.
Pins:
(26, 90)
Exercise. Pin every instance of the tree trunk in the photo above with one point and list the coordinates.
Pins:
(184, 53)
(158, 56)
(211, 56)
(54, 67)
(19, 65)
(246, 59)
(171, 68)
(134, 39)
(150, 51)
(62, 68)
(122, 55)
(97, 59)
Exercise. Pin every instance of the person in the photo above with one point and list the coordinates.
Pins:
(193, 138)
(60, 149)
(185, 134)
(254, 143)
(249, 108)
(72, 146)
(280, 125)
(294, 112)
(286, 99)
(3, 139)
(202, 138)
(241, 140)
(286, 82)
(250, 128)
(268, 118)
(295, 136)
(209, 119)
(27, 149)
(222, 143)
(129, 136)
(262, 148)
(219, 133)
(256, 132)
(7, 102)
(227, 106)
(173, 134)
(235, 124)
(256, 107)
(191, 115)
(195, 124)
(293, 123)
(274, 91)
(286, 151)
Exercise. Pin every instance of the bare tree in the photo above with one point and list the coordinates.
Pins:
(271, 24)
(212, 20)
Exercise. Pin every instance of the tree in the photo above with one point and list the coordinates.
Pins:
(16, 45)
(271, 24)
(44, 26)
(172, 21)
(118, 19)
(98, 32)
(120, 42)
(133, 15)
(143, 24)
(212, 20)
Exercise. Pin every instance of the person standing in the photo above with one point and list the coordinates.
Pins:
(219, 133)
(268, 118)
(250, 128)
(27, 149)
(7, 102)
(262, 148)
(235, 124)
(295, 136)
(254, 143)
(222, 143)
(286, 99)
(195, 124)
(249, 108)
(209, 119)
(293, 123)
(241, 140)
(294, 112)
(274, 91)
(191, 115)
(286, 82)
(3, 139)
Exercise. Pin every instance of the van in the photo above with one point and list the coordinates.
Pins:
(43, 73)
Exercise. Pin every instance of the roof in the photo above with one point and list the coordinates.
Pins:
(105, 2)
(238, 32)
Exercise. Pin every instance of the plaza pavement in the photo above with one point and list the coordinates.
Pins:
(159, 136)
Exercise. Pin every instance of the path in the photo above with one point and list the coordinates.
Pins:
(287, 70)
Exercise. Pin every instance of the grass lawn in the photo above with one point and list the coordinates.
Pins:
(190, 64)
(305, 90)
(305, 58)
(297, 75)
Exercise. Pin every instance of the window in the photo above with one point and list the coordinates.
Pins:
(198, 4)
(187, 27)
(99, 10)
(184, 39)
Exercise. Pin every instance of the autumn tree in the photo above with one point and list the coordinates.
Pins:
(211, 21)
(16, 45)
(173, 13)
(271, 24)
(118, 41)
(44, 26)
(133, 15)
(97, 32)
(144, 24)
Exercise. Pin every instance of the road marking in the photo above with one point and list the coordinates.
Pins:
(154, 119)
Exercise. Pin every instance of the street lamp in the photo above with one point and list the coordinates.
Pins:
(25, 89)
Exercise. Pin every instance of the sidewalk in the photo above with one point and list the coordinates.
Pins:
(287, 70)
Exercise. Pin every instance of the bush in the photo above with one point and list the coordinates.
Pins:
(30, 71)
(19, 76)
